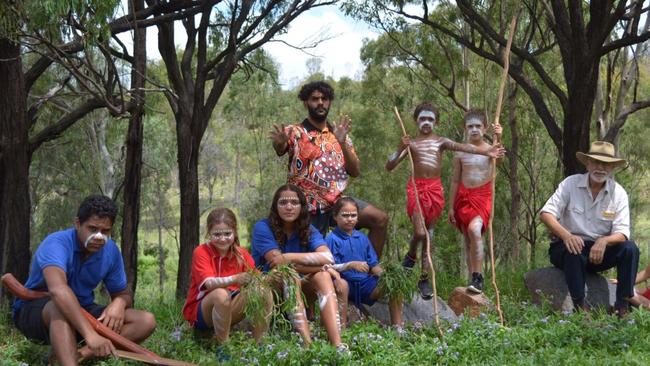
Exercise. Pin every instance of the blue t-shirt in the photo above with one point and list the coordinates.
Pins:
(348, 248)
(264, 241)
(62, 249)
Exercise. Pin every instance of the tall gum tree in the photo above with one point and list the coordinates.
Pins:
(56, 32)
(219, 40)
(579, 33)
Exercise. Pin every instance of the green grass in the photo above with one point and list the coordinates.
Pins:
(533, 336)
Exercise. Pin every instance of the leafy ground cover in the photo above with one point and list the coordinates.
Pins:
(533, 335)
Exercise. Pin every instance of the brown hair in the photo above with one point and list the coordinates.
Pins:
(224, 215)
(425, 106)
(476, 113)
(302, 223)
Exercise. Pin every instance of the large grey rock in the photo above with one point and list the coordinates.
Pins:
(549, 285)
(417, 310)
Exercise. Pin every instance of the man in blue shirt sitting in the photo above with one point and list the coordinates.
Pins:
(69, 265)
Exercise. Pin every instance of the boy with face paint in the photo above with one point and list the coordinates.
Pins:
(471, 195)
(426, 150)
(69, 264)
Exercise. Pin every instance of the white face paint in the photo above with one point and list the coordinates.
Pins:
(474, 128)
(98, 235)
(426, 120)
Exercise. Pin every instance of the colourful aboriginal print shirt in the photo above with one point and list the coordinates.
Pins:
(316, 164)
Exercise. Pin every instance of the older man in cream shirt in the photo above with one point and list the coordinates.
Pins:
(589, 219)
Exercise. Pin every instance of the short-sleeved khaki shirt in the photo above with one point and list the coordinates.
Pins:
(586, 217)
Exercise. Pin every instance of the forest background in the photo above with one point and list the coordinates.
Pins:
(172, 138)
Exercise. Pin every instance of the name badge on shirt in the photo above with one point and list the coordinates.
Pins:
(609, 212)
(609, 215)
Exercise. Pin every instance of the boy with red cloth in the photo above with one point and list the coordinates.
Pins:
(471, 195)
(426, 150)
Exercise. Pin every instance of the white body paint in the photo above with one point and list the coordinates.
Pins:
(312, 259)
(428, 152)
(476, 169)
(96, 235)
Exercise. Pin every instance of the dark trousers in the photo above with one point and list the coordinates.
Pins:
(624, 256)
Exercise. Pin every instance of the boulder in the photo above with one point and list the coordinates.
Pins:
(461, 299)
(416, 311)
(549, 286)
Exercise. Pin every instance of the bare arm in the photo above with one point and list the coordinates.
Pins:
(395, 158)
(66, 302)
(496, 151)
(319, 258)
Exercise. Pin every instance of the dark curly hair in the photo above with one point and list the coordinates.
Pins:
(341, 202)
(302, 223)
(425, 106)
(320, 85)
(97, 205)
(476, 113)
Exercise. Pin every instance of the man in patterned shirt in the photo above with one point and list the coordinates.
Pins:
(321, 158)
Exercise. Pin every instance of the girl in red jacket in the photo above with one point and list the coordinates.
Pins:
(219, 268)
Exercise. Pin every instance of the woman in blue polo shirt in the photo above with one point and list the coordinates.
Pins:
(286, 237)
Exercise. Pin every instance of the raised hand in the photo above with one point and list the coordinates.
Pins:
(342, 129)
(278, 135)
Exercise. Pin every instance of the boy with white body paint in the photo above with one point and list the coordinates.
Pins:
(471, 195)
(426, 150)
(356, 261)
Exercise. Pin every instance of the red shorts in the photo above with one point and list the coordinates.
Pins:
(472, 202)
(431, 198)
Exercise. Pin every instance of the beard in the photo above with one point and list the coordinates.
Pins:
(318, 114)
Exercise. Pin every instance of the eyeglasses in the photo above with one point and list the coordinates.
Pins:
(289, 201)
(226, 235)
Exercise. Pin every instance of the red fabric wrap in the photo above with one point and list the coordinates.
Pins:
(646, 293)
(431, 196)
(472, 202)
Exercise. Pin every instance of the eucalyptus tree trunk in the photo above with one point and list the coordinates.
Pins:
(133, 167)
(15, 158)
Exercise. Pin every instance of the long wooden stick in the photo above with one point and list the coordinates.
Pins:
(504, 78)
(21, 292)
(426, 231)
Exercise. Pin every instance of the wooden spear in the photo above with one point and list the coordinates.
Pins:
(504, 78)
(426, 232)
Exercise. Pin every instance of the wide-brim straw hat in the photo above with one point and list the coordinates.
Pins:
(602, 151)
